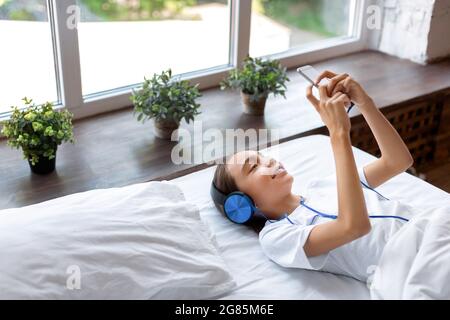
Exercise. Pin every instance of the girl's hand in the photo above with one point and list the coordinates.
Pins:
(345, 84)
(331, 109)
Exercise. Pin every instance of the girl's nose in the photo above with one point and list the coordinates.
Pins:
(272, 162)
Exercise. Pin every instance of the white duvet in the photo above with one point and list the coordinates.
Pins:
(415, 263)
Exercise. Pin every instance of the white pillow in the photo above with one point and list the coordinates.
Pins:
(142, 241)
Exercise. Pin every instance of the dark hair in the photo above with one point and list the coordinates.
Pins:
(225, 182)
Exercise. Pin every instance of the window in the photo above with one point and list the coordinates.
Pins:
(116, 43)
(26, 58)
(122, 41)
(280, 25)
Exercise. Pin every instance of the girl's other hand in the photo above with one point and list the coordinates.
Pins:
(345, 84)
(331, 109)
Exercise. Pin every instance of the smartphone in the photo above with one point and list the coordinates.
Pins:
(311, 74)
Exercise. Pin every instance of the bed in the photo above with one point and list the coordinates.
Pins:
(259, 278)
(118, 243)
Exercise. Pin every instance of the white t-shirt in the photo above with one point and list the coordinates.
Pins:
(283, 242)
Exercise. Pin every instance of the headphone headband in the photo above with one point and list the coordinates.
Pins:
(218, 196)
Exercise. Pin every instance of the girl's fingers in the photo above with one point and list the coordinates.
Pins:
(335, 96)
(344, 99)
(325, 74)
(323, 93)
(347, 82)
(340, 97)
(311, 98)
(340, 87)
(334, 81)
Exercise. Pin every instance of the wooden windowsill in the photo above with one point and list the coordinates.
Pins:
(113, 149)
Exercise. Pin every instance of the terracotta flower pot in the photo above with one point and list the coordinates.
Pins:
(163, 128)
(252, 106)
(43, 166)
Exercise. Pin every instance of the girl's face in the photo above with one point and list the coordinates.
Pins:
(264, 179)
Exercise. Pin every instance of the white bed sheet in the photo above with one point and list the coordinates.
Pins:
(258, 277)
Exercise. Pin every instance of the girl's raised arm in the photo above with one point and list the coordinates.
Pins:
(395, 156)
(353, 221)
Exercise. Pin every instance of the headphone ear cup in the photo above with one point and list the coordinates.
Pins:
(239, 207)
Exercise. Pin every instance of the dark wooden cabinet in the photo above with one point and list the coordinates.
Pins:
(424, 125)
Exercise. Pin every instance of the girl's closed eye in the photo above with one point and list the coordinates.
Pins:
(255, 165)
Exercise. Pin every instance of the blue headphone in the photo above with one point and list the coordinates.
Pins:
(237, 206)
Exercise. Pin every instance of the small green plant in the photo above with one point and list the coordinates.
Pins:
(163, 99)
(258, 78)
(38, 130)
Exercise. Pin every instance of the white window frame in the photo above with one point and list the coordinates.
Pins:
(67, 56)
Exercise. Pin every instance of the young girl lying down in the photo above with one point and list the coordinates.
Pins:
(313, 231)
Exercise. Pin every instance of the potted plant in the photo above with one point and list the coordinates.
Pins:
(256, 80)
(167, 102)
(38, 130)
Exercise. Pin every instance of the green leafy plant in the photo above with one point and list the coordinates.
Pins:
(38, 130)
(161, 98)
(258, 78)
